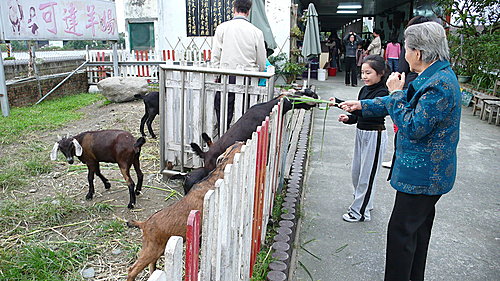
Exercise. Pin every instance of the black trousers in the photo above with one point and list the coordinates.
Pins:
(408, 236)
(351, 71)
(230, 104)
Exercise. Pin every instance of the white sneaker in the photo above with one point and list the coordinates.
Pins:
(348, 217)
(387, 164)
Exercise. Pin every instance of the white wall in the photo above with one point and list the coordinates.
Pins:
(278, 15)
(141, 11)
(170, 27)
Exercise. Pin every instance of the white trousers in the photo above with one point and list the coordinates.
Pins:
(368, 154)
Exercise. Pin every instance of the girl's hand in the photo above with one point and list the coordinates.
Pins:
(396, 81)
(343, 118)
(332, 99)
(350, 105)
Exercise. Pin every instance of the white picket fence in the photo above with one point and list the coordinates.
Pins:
(187, 107)
(236, 212)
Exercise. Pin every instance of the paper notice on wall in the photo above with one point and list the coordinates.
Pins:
(58, 20)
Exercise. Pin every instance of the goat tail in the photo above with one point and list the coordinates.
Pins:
(137, 145)
(137, 224)
(197, 149)
(139, 96)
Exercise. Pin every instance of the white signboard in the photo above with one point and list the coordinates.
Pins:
(58, 20)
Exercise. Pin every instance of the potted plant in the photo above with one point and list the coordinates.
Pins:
(290, 70)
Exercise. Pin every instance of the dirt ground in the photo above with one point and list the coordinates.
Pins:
(71, 180)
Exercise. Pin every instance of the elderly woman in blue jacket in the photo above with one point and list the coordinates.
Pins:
(428, 117)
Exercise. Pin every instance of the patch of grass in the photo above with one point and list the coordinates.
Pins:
(111, 227)
(11, 178)
(35, 167)
(264, 258)
(43, 261)
(44, 116)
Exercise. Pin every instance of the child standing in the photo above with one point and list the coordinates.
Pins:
(392, 53)
(371, 140)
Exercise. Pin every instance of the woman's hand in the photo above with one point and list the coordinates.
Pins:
(396, 81)
(343, 118)
(350, 105)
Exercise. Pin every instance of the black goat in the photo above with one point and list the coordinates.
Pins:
(112, 146)
(152, 108)
(241, 131)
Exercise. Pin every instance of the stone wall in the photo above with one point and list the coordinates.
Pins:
(26, 93)
(19, 69)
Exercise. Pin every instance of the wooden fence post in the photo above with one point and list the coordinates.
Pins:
(192, 245)
(173, 258)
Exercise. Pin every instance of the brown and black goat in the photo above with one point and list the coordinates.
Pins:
(172, 220)
(243, 129)
(112, 146)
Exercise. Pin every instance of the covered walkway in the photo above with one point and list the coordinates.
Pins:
(465, 240)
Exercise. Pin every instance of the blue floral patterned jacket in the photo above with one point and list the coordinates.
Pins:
(428, 118)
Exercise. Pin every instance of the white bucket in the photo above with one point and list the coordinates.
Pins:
(321, 74)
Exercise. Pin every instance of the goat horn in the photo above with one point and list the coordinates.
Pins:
(59, 137)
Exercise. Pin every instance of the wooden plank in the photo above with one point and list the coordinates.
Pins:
(217, 257)
(207, 237)
(173, 258)
(192, 245)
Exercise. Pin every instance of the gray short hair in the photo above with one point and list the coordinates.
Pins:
(430, 39)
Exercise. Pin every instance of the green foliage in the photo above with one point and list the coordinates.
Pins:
(297, 33)
(473, 42)
(9, 58)
(286, 67)
(47, 115)
(43, 261)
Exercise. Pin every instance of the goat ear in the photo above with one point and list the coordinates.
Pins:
(78, 148)
(53, 153)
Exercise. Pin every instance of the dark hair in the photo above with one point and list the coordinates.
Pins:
(394, 39)
(417, 20)
(377, 31)
(379, 65)
(242, 6)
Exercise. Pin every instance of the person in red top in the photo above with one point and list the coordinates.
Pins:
(392, 52)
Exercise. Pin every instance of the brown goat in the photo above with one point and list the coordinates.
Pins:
(112, 146)
(172, 220)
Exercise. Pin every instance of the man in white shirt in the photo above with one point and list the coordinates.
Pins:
(375, 47)
(237, 44)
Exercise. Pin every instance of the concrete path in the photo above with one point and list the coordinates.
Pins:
(465, 243)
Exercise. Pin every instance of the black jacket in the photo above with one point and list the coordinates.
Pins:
(368, 123)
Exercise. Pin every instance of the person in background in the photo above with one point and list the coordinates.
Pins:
(375, 47)
(237, 44)
(351, 42)
(333, 51)
(371, 140)
(392, 52)
(360, 55)
(428, 118)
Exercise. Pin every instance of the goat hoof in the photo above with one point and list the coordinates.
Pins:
(89, 196)
(107, 185)
(138, 192)
(130, 206)
(153, 136)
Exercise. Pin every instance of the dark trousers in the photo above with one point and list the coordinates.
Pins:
(350, 71)
(230, 104)
(408, 236)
